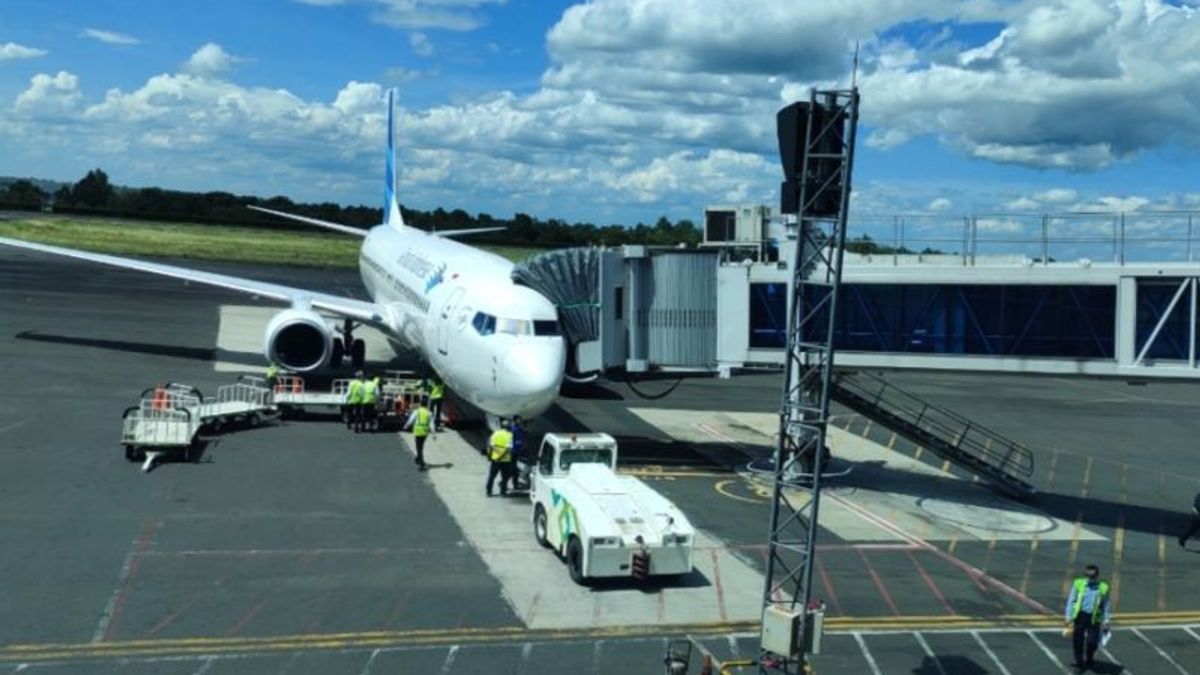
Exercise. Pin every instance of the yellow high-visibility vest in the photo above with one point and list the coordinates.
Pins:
(500, 446)
(354, 393)
(421, 424)
(1080, 588)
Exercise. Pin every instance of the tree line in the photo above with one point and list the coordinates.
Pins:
(95, 195)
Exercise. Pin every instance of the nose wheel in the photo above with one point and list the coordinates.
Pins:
(348, 345)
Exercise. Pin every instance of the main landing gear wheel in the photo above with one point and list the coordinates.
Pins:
(338, 354)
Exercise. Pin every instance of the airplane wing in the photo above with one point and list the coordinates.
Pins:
(350, 308)
(337, 227)
(469, 230)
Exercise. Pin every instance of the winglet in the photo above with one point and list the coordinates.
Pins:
(391, 209)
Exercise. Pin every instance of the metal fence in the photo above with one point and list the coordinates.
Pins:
(1043, 238)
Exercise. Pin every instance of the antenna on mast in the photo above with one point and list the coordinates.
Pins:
(854, 71)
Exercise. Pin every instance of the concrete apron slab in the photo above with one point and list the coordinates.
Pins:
(535, 580)
(888, 496)
(241, 329)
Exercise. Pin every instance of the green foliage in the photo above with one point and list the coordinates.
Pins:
(93, 195)
(23, 193)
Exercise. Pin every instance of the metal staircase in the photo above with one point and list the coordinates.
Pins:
(1002, 462)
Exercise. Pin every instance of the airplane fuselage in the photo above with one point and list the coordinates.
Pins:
(493, 342)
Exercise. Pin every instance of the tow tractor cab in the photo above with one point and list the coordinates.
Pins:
(604, 524)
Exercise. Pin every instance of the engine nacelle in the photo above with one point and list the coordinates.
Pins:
(299, 340)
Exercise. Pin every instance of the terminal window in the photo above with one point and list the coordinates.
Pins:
(768, 316)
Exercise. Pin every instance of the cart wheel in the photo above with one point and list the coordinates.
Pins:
(128, 452)
(253, 419)
(539, 526)
(139, 455)
(215, 425)
(575, 560)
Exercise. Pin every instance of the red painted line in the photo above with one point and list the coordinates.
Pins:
(887, 597)
(970, 570)
(829, 590)
(167, 620)
(143, 542)
(719, 587)
(533, 605)
(933, 587)
(247, 617)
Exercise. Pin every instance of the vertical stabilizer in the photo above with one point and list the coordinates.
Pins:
(391, 209)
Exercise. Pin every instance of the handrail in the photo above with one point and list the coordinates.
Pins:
(953, 429)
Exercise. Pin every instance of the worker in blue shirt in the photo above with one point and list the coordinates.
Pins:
(1087, 613)
(1195, 527)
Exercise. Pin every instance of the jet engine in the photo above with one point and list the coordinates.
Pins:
(299, 340)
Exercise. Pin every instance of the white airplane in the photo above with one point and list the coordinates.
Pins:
(494, 343)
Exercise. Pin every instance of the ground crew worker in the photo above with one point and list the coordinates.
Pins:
(420, 420)
(436, 391)
(272, 378)
(370, 394)
(1087, 613)
(1195, 521)
(354, 395)
(500, 458)
(522, 461)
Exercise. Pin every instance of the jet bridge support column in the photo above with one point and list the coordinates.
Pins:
(817, 148)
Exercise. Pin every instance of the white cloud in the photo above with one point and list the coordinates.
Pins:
(1023, 204)
(940, 204)
(109, 37)
(1056, 196)
(461, 15)
(210, 60)
(50, 95)
(12, 50)
(420, 44)
(1069, 84)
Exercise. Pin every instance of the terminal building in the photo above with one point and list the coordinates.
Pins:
(1003, 304)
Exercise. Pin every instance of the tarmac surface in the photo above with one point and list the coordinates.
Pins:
(300, 547)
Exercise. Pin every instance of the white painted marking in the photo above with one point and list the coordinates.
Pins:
(1046, 650)
(991, 655)
(366, 669)
(449, 664)
(1166, 656)
(20, 667)
(937, 663)
(733, 648)
(205, 666)
(1191, 632)
(122, 576)
(1108, 655)
(862, 645)
(596, 657)
(526, 653)
(14, 425)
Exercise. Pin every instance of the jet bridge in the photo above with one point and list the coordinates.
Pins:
(636, 308)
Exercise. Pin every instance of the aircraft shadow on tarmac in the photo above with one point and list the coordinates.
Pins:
(1091, 511)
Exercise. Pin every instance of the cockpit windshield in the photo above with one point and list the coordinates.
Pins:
(486, 324)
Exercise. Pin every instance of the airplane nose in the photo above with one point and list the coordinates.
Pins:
(534, 370)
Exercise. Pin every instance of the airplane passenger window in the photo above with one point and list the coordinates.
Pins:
(514, 326)
(485, 324)
(545, 328)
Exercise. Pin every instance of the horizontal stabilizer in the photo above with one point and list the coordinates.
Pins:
(472, 230)
(345, 229)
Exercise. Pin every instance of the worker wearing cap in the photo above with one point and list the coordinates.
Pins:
(354, 396)
(370, 394)
(1087, 613)
(420, 420)
(500, 458)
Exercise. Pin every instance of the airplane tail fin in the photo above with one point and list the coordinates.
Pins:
(391, 209)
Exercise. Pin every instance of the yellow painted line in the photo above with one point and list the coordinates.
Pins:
(1162, 569)
(866, 430)
(891, 441)
(1073, 553)
(722, 488)
(946, 466)
(657, 472)
(1033, 547)
(213, 646)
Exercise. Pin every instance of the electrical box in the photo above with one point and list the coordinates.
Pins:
(733, 225)
(780, 632)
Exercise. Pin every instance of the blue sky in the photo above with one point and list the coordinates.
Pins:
(614, 111)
